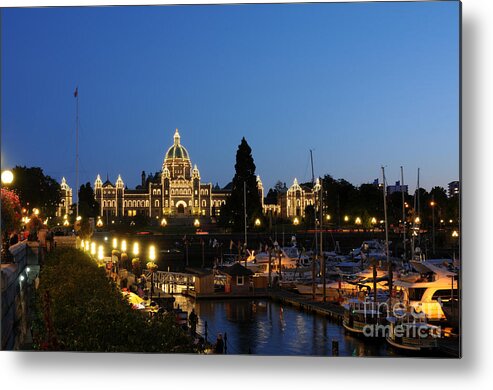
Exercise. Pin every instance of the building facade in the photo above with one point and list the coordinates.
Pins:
(64, 207)
(177, 191)
(397, 188)
(453, 188)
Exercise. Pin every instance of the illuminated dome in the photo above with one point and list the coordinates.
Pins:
(177, 150)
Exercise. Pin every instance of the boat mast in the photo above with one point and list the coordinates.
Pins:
(403, 215)
(389, 264)
(316, 237)
(419, 212)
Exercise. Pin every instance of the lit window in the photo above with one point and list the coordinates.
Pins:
(239, 281)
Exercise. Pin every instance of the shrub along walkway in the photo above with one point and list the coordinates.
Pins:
(80, 309)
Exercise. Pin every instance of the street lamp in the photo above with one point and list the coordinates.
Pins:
(296, 221)
(7, 177)
(124, 246)
(327, 217)
(115, 243)
(135, 250)
(100, 253)
(151, 266)
(164, 222)
(432, 204)
(346, 218)
(93, 248)
(87, 246)
(196, 223)
(152, 253)
(99, 223)
(257, 222)
(358, 221)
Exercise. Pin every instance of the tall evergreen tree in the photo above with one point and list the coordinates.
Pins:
(245, 173)
(88, 207)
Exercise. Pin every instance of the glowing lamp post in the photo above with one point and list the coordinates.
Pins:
(164, 222)
(257, 222)
(7, 177)
(196, 223)
(433, 204)
(296, 221)
(100, 253)
(93, 248)
(99, 223)
(152, 266)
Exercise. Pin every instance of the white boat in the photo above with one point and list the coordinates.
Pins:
(370, 249)
(411, 332)
(362, 317)
(422, 294)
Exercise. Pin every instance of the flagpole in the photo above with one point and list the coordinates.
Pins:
(77, 151)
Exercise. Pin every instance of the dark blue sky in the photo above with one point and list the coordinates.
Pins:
(363, 85)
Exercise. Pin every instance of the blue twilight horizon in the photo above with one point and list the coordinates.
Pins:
(361, 84)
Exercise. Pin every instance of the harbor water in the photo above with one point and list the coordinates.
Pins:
(263, 327)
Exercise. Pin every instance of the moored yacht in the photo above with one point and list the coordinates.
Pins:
(423, 294)
(410, 331)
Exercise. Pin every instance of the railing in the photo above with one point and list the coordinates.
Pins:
(15, 278)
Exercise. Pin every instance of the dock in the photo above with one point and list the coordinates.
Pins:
(256, 294)
(304, 303)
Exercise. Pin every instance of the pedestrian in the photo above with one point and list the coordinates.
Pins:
(14, 238)
(192, 318)
(219, 346)
(42, 242)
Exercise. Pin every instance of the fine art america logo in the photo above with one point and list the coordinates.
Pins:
(402, 321)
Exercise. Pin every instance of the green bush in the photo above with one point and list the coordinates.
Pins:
(88, 312)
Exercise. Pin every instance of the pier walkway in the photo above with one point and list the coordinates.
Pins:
(304, 302)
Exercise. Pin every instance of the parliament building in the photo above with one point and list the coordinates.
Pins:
(178, 192)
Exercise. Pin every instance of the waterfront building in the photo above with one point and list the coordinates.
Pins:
(397, 188)
(453, 188)
(292, 201)
(64, 207)
(177, 191)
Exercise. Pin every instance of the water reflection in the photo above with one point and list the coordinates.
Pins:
(267, 328)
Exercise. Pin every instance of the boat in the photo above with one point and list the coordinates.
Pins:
(363, 317)
(451, 310)
(291, 257)
(370, 249)
(410, 331)
(422, 294)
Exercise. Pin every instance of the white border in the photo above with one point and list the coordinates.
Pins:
(139, 371)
